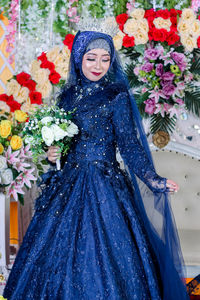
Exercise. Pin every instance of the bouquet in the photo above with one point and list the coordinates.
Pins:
(49, 126)
(15, 170)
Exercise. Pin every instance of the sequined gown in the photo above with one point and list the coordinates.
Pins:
(86, 240)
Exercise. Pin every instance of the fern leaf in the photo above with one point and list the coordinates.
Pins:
(192, 101)
(165, 123)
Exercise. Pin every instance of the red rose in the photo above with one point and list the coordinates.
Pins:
(179, 12)
(22, 78)
(150, 34)
(42, 57)
(199, 17)
(160, 35)
(35, 97)
(149, 13)
(163, 13)
(128, 41)
(121, 20)
(47, 65)
(54, 77)
(172, 38)
(30, 84)
(14, 105)
(173, 12)
(198, 42)
(68, 41)
(4, 97)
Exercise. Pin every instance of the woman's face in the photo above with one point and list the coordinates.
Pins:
(95, 64)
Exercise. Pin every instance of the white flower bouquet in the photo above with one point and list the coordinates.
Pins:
(49, 126)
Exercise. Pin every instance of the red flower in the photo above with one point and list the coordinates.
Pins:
(121, 20)
(173, 12)
(54, 77)
(30, 84)
(4, 97)
(47, 65)
(160, 35)
(163, 13)
(22, 78)
(42, 57)
(14, 105)
(179, 12)
(68, 41)
(128, 41)
(35, 97)
(199, 17)
(172, 38)
(149, 13)
(198, 42)
(150, 34)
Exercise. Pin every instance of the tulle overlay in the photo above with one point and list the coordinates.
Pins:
(92, 235)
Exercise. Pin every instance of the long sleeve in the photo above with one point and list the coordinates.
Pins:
(129, 145)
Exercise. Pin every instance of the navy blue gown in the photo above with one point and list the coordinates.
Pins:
(86, 240)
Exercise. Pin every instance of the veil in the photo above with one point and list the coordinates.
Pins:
(154, 208)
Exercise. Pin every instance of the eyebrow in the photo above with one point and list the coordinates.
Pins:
(96, 54)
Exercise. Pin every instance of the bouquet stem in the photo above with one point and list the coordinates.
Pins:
(58, 164)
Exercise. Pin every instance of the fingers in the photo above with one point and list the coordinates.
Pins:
(53, 153)
(172, 186)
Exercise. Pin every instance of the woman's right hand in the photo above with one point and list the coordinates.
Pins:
(53, 153)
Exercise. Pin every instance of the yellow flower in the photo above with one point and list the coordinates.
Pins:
(13, 87)
(2, 298)
(162, 23)
(188, 15)
(20, 116)
(137, 13)
(118, 39)
(16, 142)
(5, 128)
(1, 151)
(189, 42)
(22, 95)
(53, 53)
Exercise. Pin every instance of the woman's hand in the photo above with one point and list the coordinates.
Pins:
(53, 153)
(173, 186)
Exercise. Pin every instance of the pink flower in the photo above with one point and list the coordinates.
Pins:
(162, 108)
(75, 20)
(168, 89)
(147, 67)
(159, 69)
(12, 157)
(15, 189)
(28, 176)
(168, 76)
(72, 12)
(156, 94)
(179, 101)
(150, 106)
(136, 70)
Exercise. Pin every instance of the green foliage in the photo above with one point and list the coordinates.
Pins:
(133, 79)
(21, 199)
(195, 67)
(157, 122)
(130, 52)
(119, 6)
(192, 101)
(140, 98)
(96, 8)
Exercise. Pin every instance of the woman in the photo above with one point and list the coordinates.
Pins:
(90, 237)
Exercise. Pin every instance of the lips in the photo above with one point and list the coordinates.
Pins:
(96, 74)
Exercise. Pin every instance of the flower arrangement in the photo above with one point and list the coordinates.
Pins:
(49, 126)
(15, 171)
(164, 71)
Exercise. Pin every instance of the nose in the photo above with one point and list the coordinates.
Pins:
(98, 64)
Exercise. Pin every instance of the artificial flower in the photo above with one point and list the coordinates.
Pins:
(72, 129)
(42, 57)
(47, 135)
(20, 116)
(6, 176)
(47, 65)
(22, 78)
(141, 37)
(4, 107)
(53, 54)
(161, 23)
(68, 41)
(118, 40)
(121, 20)
(1, 148)
(3, 162)
(44, 88)
(188, 15)
(5, 128)
(22, 95)
(137, 13)
(12, 87)
(40, 75)
(150, 106)
(128, 41)
(35, 98)
(189, 42)
(54, 77)
(16, 142)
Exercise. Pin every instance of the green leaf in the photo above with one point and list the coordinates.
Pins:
(44, 162)
(133, 79)
(195, 67)
(157, 122)
(192, 101)
(21, 199)
(140, 48)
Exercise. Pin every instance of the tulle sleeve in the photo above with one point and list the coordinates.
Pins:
(129, 145)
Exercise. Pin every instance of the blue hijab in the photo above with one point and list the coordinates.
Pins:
(154, 208)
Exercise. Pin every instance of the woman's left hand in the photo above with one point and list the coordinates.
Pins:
(172, 186)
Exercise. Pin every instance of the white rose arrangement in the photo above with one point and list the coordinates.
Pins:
(49, 126)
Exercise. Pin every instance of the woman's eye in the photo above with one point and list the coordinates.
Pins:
(91, 59)
(106, 60)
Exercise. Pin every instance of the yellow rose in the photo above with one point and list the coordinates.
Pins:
(189, 42)
(13, 87)
(52, 54)
(162, 23)
(183, 26)
(137, 13)
(131, 26)
(118, 40)
(141, 37)
(35, 66)
(41, 75)
(20, 116)
(22, 95)
(195, 29)
(4, 107)
(1, 148)
(16, 142)
(5, 128)
(188, 15)
(44, 88)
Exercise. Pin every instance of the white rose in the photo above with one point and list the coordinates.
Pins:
(59, 133)
(7, 176)
(23, 94)
(4, 106)
(13, 87)
(118, 40)
(47, 135)
(3, 163)
(72, 129)
(46, 120)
